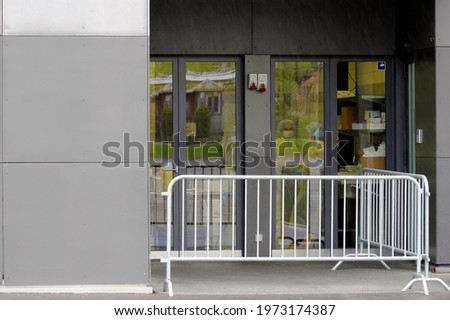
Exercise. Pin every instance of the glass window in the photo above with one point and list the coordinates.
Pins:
(299, 135)
(361, 115)
(161, 147)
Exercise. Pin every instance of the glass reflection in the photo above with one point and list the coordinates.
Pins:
(299, 114)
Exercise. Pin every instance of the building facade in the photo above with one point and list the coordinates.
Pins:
(103, 100)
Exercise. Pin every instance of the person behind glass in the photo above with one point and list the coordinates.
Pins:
(286, 147)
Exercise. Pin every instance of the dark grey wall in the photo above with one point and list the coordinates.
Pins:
(425, 84)
(291, 27)
(343, 27)
(200, 27)
(415, 27)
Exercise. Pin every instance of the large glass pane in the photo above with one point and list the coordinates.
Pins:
(361, 110)
(211, 138)
(161, 147)
(361, 115)
(299, 134)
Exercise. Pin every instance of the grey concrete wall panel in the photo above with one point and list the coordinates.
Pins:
(264, 209)
(75, 17)
(257, 105)
(442, 23)
(1, 98)
(1, 222)
(75, 224)
(415, 25)
(324, 27)
(442, 212)
(426, 101)
(427, 166)
(65, 97)
(442, 102)
(201, 27)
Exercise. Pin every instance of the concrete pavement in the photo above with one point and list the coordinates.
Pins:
(274, 281)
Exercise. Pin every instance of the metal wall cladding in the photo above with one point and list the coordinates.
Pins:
(442, 102)
(442, 23)
(1, 223)
(292, 27)
(324, 27)
(82, 17)
(75, 224)
(442, 216)
(67, 96)
(1, 98)
(257, 107)
(425, 66)
(415, 25)
(201, 27)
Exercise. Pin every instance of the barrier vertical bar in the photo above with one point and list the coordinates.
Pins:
(220, 216)
(270, 216)
(183, 192)
(344, 218)
(168, 283)
(233, 213)
(332, 218)
(245, 217)
(381, 215)
(393, 225)
(257, 214)
(320, 218)
(295, 218)
(369, 215)
(357, 218)
(208, 213)
(195, 215)
(307, 218)
(282, 216)
(405, 216)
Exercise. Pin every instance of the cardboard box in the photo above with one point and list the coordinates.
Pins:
(374, 162)
(348, 116)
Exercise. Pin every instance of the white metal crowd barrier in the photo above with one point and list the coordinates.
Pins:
(424, 202)
(379, 216)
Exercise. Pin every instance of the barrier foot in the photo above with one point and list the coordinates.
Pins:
(168, 287)
(420, 277)
(385, 265)
(337, 265)
(416, 278)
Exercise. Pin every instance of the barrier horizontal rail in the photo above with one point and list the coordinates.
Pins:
(383, 220)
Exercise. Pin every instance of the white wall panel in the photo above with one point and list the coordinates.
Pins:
(84, 17)
(67, 96)
(1, 17)
(75, 224)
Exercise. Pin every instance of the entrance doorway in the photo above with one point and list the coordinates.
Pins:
(330, 116)
(195, 124)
